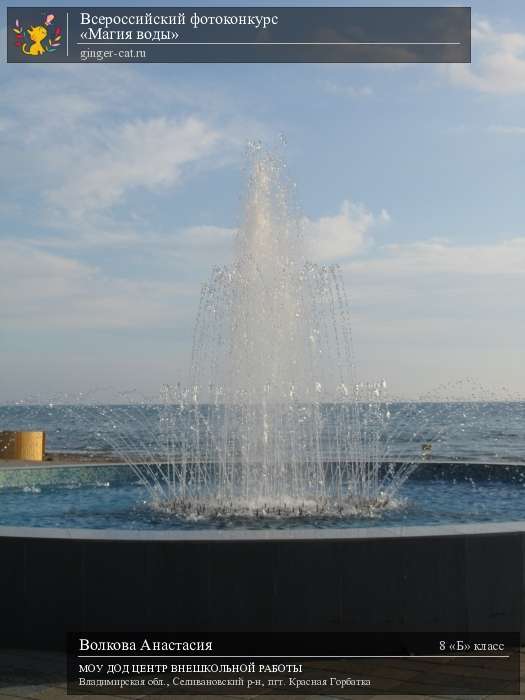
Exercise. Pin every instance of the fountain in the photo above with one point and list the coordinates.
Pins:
(271, 346)
(273, 421)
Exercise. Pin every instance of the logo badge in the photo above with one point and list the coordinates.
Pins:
(39, 39)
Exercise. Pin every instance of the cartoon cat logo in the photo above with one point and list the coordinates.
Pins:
(32, 41)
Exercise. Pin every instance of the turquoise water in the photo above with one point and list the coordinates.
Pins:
(109, 497)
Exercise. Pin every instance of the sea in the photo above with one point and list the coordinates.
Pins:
(468, 432)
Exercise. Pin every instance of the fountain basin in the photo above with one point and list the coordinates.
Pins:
(455, 579)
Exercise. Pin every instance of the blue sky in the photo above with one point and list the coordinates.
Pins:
(121, 187)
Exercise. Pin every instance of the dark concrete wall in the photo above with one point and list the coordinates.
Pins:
(457, 583)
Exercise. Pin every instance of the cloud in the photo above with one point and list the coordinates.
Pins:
(506, 130)
(468, 294)
(420, 311)
(94, 145)
(332, 238)
(327, 239)
(42, 290)
(348, 90)
(498, 62)
(198, 237)
(424, 257)
(142, 153)
(432, 311)
(202, 247)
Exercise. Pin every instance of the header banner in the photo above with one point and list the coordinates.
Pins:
(238, 34)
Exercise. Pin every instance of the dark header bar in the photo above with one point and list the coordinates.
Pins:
(238, 35)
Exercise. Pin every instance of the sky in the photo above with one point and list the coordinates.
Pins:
(121, 187)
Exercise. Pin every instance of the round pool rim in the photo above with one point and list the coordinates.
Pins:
(281, 535)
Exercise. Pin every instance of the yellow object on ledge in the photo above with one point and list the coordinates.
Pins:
(23, 445)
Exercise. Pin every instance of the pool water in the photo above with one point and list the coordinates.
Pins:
(110, 498)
